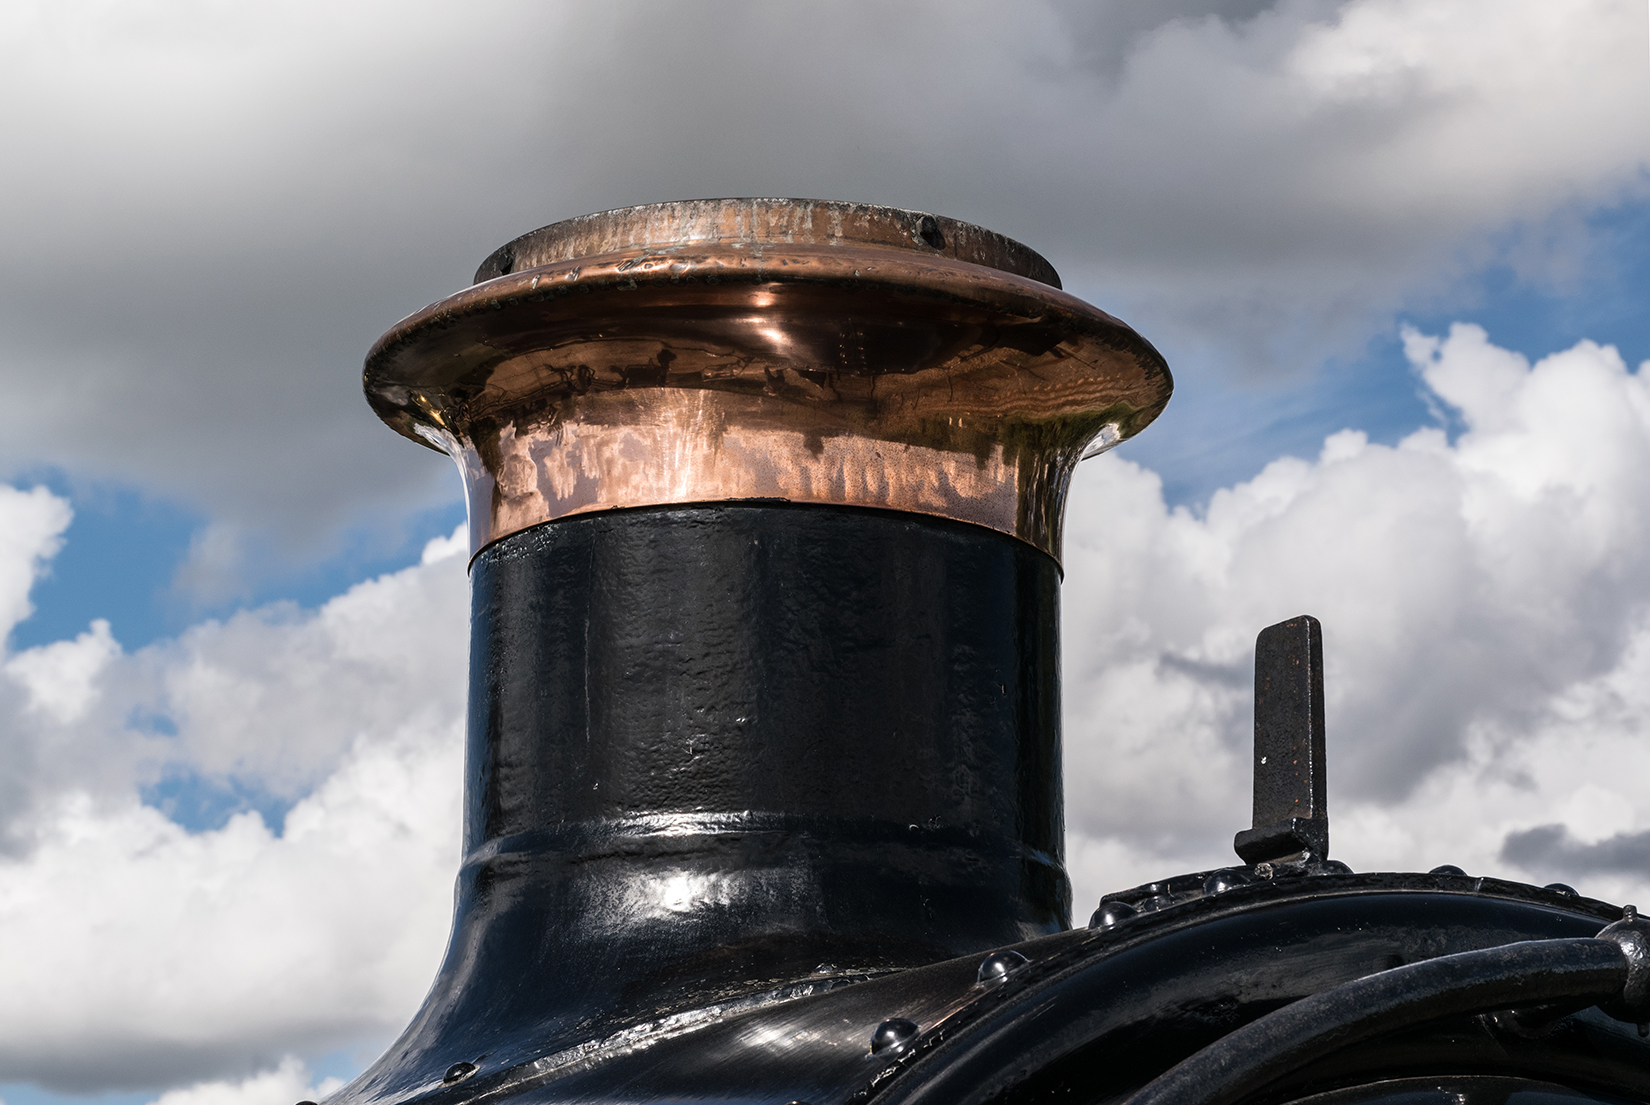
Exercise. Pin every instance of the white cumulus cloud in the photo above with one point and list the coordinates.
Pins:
(280, 1085)
(1485, 593)
(31, 533)
(61, 678)
(137, 952)
(1486, 610)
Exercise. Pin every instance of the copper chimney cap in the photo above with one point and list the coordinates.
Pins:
(766, 349)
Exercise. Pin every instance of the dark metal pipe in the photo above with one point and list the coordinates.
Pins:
(1531, 972)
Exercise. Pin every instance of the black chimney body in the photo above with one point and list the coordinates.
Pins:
(717, 743)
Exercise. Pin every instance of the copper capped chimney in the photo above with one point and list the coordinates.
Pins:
(765, 500)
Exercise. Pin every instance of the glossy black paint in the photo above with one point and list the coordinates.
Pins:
(1095, 1017)
(1579, 972)
(1094, 1014)
(719, 749)
(1473, 1089)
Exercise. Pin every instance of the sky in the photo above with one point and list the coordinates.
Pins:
(1397, 253)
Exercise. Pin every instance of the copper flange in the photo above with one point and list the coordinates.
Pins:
(766, 349)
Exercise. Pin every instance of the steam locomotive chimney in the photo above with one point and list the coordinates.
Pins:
(765, 501)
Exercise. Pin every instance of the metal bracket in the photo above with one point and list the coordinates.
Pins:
(1291, 815)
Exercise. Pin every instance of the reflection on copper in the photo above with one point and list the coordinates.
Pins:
(900, 361)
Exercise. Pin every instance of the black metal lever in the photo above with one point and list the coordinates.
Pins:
(1291, 817)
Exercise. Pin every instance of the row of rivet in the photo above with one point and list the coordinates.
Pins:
(893, 1034)
(890, 1035)
(1563, 888)
(1115, 912)
(458, 1072)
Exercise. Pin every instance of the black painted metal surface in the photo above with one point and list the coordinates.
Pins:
(1095, 1014)
(763, 807)
(1474, 1089)
(1098, 1015)
(1528, 972)
(1291, 791)
(721, 749)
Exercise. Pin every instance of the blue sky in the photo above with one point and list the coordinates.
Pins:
(223, 207)
(126, 547)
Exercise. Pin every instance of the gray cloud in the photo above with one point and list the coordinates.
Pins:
(1552, 852)
(223, 207)
(1484, 605)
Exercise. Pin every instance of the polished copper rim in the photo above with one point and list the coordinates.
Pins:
(870, 368)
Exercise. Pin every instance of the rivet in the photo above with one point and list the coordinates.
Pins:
(1111, 914)
(1446, 869)
(1222, 881)
(998, 966)
(458, 1072)
(892, 1035)
(1563, 888)
(1263, 871)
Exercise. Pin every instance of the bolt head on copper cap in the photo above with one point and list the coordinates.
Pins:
(766, 349)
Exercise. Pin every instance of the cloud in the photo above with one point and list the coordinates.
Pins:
(185, 955)
(32, 534)
(1552, 848)
(225, 205)
(1486, 604)
(1486, 610)
(139, 952)
(280, 1085)
(61, 678)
